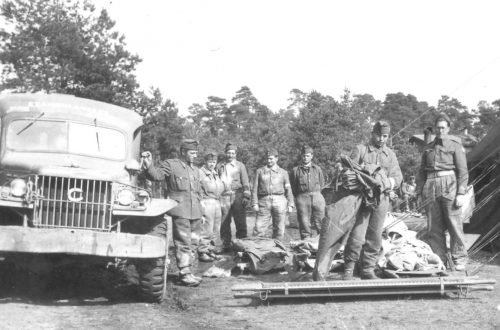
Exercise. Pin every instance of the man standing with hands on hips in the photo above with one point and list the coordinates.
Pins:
(271, 198)
(442, 183)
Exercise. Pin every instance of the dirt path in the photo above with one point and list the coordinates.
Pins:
(90, 304)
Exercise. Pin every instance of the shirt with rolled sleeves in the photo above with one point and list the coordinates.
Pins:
(211, 184)
(304, 179)
(272, 181)
(234, 176)
(445, 154)
(183, 186)
(384, 157)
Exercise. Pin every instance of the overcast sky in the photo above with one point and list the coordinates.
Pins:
(192, 49)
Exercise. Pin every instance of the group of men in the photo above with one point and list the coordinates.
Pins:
(211, 196)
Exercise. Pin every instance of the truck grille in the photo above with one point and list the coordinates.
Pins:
(73, 203)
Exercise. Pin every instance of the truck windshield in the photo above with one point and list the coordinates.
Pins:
(65, 137)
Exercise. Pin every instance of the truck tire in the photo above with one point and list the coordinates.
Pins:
(153, 272)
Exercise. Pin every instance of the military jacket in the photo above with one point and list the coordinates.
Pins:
(182, 185)
(445, 154)
(306, 179)
(234, 176)
(272, 181)
(211, 184)
(384, 157)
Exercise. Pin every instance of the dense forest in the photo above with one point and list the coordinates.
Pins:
(69, 47)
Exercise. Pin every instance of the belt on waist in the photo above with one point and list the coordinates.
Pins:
(309, 192)
(437, 174)
(265, 195)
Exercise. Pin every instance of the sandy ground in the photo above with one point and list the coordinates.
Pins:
(96, 301)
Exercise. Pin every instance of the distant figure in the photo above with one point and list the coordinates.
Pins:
(409, 192)
(307, 180)
(272, 197)
(442, 181)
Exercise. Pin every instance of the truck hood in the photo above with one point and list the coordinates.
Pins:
(63, 165)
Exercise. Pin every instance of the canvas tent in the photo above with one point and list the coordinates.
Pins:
(483, 163)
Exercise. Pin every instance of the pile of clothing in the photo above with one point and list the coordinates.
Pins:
(403, 254)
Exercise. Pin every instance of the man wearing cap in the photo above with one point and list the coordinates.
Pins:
(182, 180)
(306, 181)
(211, 190)
(442, 183)
(271, 198)
(366, 234)
(409, 192)
(235, 197)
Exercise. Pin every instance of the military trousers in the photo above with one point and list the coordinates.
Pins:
(271, 217)
(186, 234)
(439, 197)
(310, 212)
(366, 235)
(233, 208)
(210, 229)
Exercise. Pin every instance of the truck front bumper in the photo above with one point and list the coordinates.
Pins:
(80, 242)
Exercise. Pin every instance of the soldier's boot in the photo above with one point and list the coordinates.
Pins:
(190, 280)
(348, 274)
(369, 274)
(205, 257)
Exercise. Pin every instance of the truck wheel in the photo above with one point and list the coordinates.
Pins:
(153, 272)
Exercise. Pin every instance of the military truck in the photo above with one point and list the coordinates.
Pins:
(68, 187)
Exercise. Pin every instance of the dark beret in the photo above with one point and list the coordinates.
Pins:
(306, 149)
(230, 146)
(189, 144)
(381, 127)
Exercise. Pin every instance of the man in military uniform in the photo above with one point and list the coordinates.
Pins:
(307, 180)
(211, 190)
(367, 231)
(235, 197)
(182, 180)
(442, 183)
(272, 197)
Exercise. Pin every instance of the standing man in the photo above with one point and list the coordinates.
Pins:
(442, 182)
(211, 190)
(367, 231)
(307, 180)
(409, 192)
(182, 185)
(271, 198)
(235, 197)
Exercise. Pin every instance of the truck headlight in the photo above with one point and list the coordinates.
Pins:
(125, 197)
(18, 188)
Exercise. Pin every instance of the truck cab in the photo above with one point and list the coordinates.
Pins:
(68, 185)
